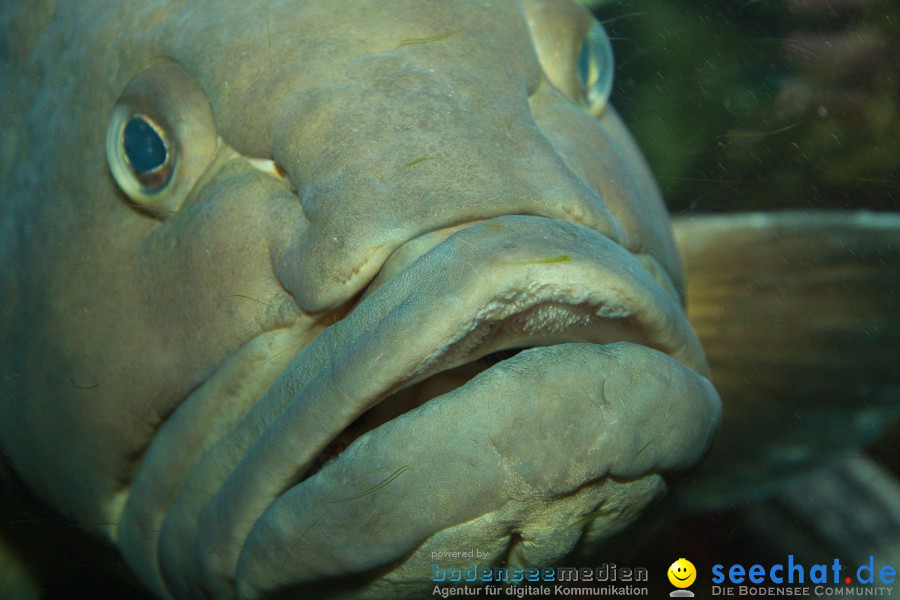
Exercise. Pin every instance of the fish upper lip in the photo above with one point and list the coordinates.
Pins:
(399, 258)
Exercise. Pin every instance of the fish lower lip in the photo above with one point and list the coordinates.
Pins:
(510, 282)
(484, 461)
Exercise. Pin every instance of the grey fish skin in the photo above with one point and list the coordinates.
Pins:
(178, 362)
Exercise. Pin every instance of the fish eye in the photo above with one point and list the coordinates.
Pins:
(595, 68)
(147, 151)
(161, 138)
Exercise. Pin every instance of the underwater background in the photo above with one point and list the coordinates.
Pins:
(760, 104)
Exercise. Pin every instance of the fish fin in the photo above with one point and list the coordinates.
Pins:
(849, 509)
(799, 316)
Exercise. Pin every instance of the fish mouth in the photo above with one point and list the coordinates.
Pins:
(438, 405)
(520, 319)
(540, 310)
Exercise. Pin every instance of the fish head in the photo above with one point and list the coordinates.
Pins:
(311, 290)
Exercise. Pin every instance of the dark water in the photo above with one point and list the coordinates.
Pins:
(743, 105)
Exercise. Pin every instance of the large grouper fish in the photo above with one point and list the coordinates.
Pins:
(295, 294)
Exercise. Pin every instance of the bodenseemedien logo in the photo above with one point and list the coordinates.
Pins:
(682, 574)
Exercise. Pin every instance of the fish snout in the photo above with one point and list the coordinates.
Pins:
(337, 258)
(367, 193)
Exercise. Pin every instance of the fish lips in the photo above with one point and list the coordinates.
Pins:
(612, 390)
(611, 394)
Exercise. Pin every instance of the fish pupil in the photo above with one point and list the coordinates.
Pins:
(144, 147)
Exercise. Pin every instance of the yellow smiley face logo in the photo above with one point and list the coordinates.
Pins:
(682, 573)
